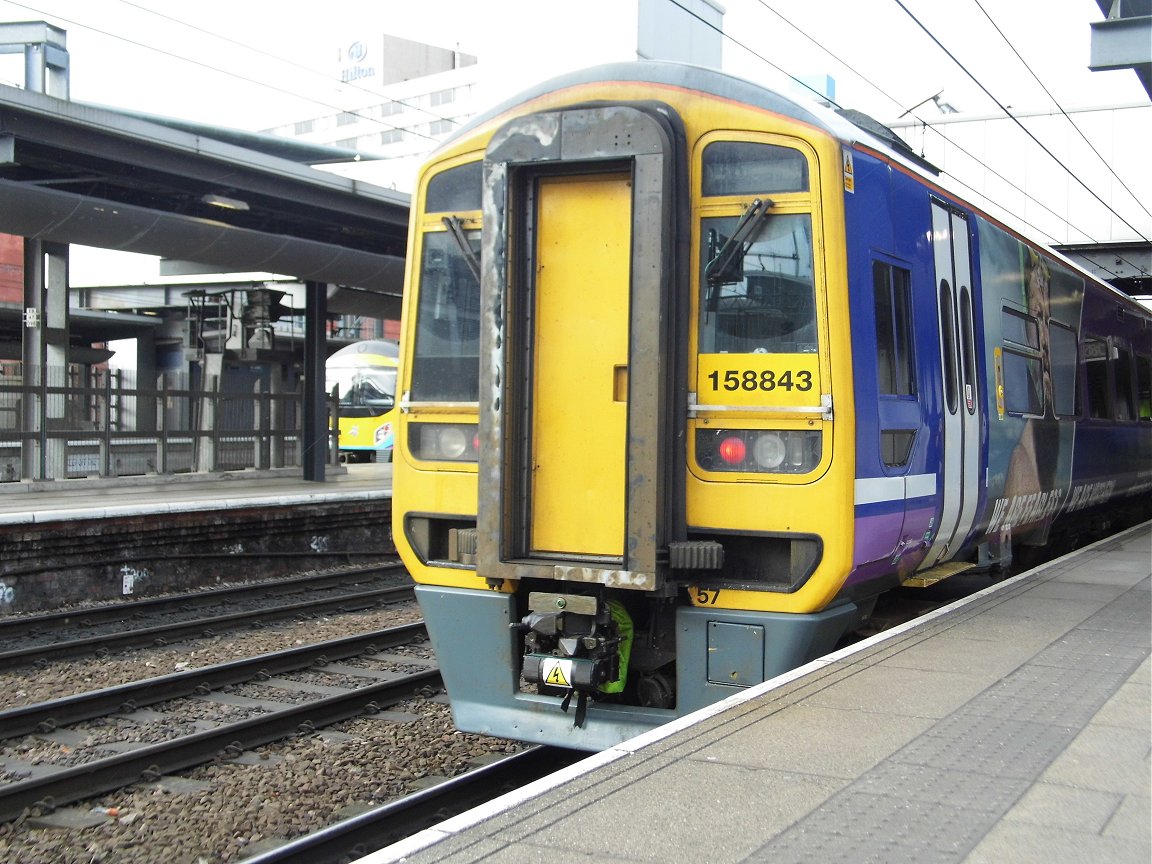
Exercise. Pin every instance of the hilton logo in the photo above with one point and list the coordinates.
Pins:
(356, 54)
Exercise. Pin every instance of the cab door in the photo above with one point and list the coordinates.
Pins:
(579, 405)
(581, 391)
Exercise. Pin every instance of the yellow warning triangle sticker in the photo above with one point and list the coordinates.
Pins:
(556, 677)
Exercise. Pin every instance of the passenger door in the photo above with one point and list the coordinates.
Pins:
(960, 405)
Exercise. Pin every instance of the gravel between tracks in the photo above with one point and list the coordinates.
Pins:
(298, 785)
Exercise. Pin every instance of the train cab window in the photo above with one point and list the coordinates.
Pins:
(455, 190)
(748, 167)
(446, 355)
(770, 307)
(1144, 387)
(1122, 378)
(1022, 365)
(1096, 376)
(446, 349)
(894, 360)
(1062, 345)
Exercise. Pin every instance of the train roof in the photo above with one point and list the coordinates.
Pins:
(369, 347)
(849, 126)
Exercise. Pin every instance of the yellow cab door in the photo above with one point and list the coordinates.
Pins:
(580, 360)
(581, 422)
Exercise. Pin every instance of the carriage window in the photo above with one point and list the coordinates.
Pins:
(1096, 366)
(446, 358)
(967, 349)
(1122, 375)
(948, 339)
(745, 167)
(1144, 387)
(1022, 366)
(892, 287)
(455, 190)
(771, 308)
(1021, 329)
(1064, 379)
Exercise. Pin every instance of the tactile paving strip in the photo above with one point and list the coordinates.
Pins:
(938, 796)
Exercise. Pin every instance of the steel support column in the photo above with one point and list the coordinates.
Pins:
(314, 443)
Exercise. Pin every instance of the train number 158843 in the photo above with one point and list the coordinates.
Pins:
(765, 379)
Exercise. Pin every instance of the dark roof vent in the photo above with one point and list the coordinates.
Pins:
(878, 130)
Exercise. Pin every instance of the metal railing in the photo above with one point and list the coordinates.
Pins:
(58, 426)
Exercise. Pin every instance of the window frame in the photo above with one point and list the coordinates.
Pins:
(704, 207)
(1077, 397)
(1105, 389)
(901, 333)
(1026, 351)
(1120, 358)
(455, 203)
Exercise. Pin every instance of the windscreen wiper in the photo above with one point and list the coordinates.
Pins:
(456, 229)
(727, 263)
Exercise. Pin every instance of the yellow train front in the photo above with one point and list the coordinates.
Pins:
(615, 479)
(364, 373)
(694, 372)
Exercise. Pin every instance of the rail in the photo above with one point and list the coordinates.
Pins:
(397, 820)
(161, 634)
(148, 763)
(47, 716)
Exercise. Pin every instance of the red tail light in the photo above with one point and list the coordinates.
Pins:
(733, 450)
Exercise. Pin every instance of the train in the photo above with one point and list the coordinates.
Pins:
(365, 373)
(695, 371)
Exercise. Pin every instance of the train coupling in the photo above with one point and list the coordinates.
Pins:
(575, 645)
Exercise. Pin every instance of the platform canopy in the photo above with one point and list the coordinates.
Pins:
(242, 202)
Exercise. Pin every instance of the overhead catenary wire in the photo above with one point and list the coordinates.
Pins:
(890, 98)
(728, 37)
(1025, 129)
(289, 62)
(928, 125)
(229, 73)
(1060, 108)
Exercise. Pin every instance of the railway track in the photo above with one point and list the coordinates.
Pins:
(48, 716)
(394, 748)
(397, 820)
(99, 630)
(48, 787)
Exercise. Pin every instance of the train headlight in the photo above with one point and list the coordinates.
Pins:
(758, 451)
(444, 442)
(769, 450)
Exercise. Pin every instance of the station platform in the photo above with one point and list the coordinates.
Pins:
(1012, 726)
(109, 498)
(69, 542)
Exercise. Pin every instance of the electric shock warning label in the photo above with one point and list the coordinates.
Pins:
(556, 672)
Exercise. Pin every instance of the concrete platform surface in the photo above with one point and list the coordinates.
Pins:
(1012, 726)
(106, 498)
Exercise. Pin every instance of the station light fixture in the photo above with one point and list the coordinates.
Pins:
(223, 201)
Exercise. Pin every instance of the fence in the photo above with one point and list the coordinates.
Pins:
(96, 423)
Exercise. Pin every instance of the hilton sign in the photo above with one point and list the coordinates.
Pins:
(353, 65)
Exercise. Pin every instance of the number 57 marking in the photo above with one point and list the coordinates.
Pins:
(704, 597)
